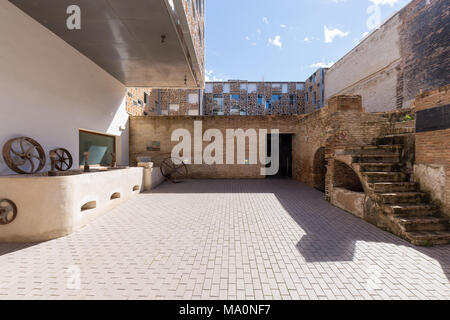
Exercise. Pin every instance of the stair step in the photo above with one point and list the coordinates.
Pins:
(409, 224)
(405, 124)
(387, 187)
(380, 167)
(385, 158)
(398, 139)
(403, 197)
(373, 150)
(411, 210)
(396, 131)
(429, 237)
(373, 177)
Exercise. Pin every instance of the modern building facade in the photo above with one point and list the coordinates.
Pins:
(237, 97)
(234, 97)
(315, 90)
(166, 102)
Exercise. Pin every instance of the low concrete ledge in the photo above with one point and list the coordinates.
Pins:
(53, 207)
(350, 201)
(152, 178)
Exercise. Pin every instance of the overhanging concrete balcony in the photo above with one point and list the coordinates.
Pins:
(142, 43)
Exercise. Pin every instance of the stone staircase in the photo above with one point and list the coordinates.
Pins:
(406, 210)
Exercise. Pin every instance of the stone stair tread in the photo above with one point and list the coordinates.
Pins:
(421, 220)
(429, 235)
(387, 164)
(412, 205)
(402, 193)
(374, 147)
(395, 135)
(395, 183)
(383, 173)
(386, 154)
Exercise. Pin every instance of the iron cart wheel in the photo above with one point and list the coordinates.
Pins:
(174, 169)
(63, 161)
(24, 155)
(8, 211)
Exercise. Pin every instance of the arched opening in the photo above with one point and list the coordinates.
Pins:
(345, 177)
(320, 169)
(89, 206)
(115, 195)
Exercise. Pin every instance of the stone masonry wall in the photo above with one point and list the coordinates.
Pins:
(342, 124)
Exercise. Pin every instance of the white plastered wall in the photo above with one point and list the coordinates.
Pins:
(49, 90)
(370, 69)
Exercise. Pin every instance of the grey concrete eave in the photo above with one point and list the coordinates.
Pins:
(125, 38)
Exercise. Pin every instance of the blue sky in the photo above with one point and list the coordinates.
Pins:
(285, 40)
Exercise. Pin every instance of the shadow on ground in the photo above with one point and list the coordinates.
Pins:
(331, 234)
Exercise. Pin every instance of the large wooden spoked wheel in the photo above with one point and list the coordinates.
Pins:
(63, 161)
(174, 169)
(24, 155)
(8, 211)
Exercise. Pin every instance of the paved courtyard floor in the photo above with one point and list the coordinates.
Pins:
(269, 239)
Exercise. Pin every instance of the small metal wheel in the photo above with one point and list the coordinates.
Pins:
(63, 160)
(8, 211)
(174, 169)
(24, 155)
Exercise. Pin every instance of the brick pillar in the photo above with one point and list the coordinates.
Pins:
(432, 165)
(345, 103)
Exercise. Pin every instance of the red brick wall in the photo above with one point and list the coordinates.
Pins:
(433, 147)
(323, 128)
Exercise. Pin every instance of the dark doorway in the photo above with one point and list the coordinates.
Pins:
(320, 169)
(285, 155)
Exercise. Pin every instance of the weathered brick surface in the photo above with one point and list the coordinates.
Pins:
(424, 46)
(143, 130)
(345, 124)
(432, 98)
(433, 147)
(225, 240)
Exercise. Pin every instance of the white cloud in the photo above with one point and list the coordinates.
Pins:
(307, 39)
(330, 34)
(321, 65)
(209, 76)
(276, 42)
(384, 2)
(265, 20)
(247, 38)
(258, 31)
(283, 26)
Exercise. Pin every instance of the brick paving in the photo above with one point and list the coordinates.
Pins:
(249, 239)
